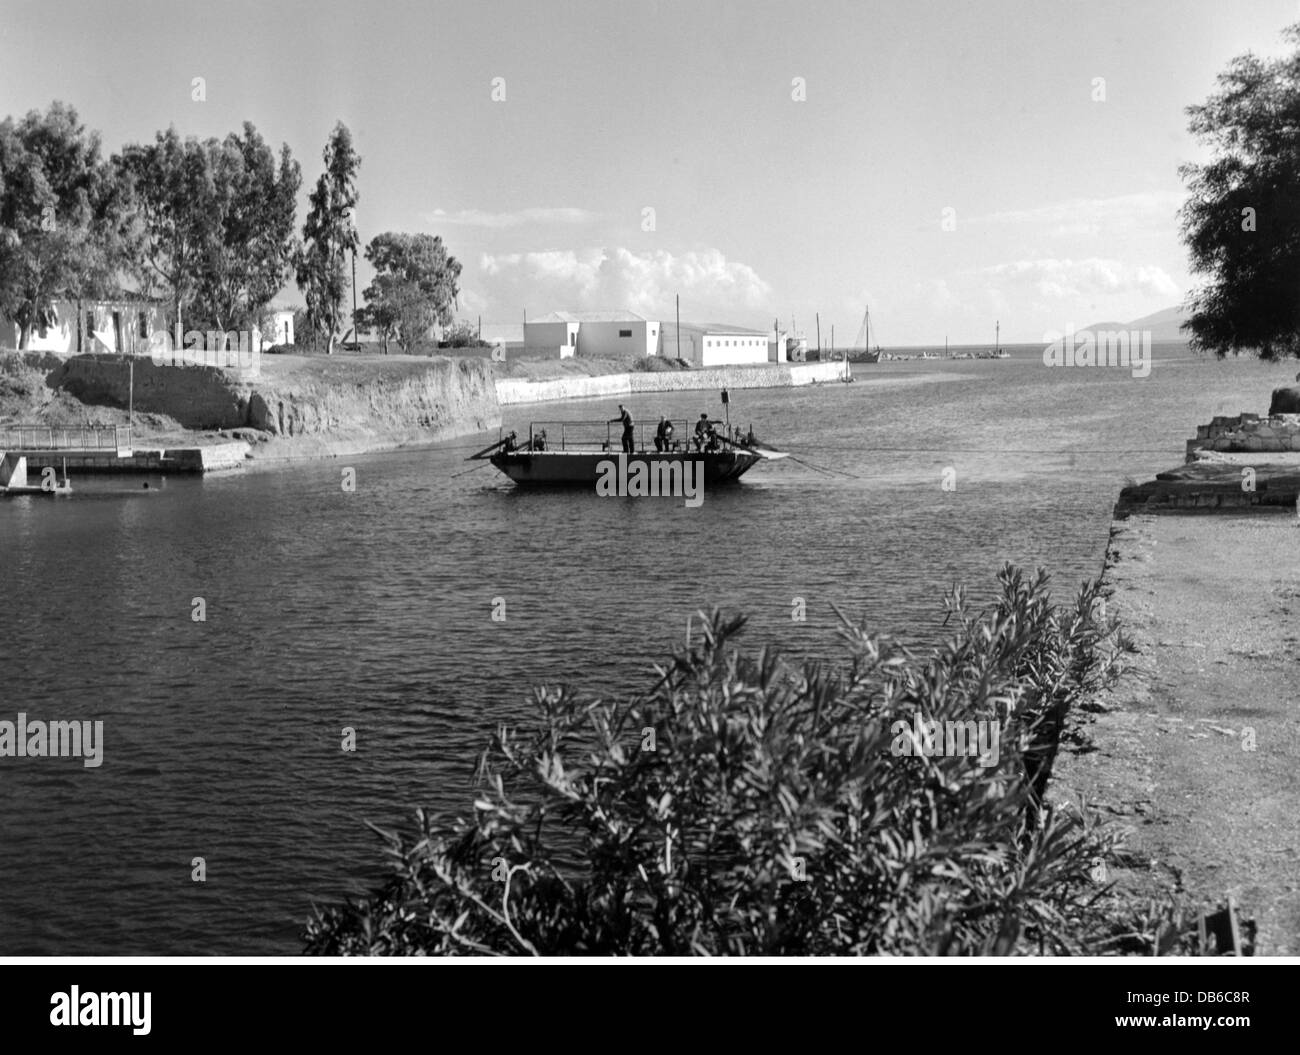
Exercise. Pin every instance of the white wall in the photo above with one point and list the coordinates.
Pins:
(729, 349)
(600, 340)
(283, 325)
(549, 335)
(61, 338)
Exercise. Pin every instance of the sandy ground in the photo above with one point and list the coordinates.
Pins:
(1212, 603)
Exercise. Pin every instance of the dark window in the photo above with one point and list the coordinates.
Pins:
(144, 324)
(90, 323)
(625, 333)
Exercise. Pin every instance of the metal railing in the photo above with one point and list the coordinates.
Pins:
(608, 435)
(65, 438)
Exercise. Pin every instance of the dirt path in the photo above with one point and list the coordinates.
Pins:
(1212, 603)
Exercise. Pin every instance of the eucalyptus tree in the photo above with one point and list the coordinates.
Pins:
(64, 228)
(173, 188)
(218, 223)
(329, 233)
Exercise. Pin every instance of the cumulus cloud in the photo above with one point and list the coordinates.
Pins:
(711, 286)
(516, 218)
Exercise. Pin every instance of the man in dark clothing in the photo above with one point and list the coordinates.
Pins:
(664, 435)
(705, 438)
(629, 438)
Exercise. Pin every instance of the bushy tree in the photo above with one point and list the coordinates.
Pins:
(63, 225)
(218, 220)
(251, 258)
(1241, 223)
(414, 287)
(175, 193)
(328, 235)
(462, 334)
(744, 806)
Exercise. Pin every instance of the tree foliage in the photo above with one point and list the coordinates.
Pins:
(218, 219)
(414, 287)
(1241, 223)
(64, 227)
(463, 334)
(173, 190)
(251, 257)
(328, 235)
(743, 806)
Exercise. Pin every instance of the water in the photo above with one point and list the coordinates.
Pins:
(372, 610)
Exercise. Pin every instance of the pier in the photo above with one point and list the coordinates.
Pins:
(70, 441)
(110, 449)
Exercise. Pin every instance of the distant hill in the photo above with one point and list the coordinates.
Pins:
(1164, 325)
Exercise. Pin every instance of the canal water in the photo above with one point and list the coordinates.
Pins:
(371, 609)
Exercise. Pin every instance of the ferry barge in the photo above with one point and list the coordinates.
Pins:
(575, 453)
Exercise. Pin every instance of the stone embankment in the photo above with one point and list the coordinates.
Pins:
(299, 407)
(1233, 462)
(774, 375)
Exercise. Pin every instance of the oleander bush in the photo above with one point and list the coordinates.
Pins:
(745, 805)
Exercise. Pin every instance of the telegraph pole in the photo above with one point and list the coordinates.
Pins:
(678, 298)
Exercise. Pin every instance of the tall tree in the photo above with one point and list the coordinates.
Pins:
(251, 260)
(414, 286)
(174, 189)
(59, 216)
(1242, 220)
(328, 235)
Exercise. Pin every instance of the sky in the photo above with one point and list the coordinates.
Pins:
(760, 159)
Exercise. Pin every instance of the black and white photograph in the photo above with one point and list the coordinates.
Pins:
(653, 479)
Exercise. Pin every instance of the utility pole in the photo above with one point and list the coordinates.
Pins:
(678, 298)
(356, 334)
(819, 335)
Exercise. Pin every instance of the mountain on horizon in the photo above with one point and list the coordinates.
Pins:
(1164, 324)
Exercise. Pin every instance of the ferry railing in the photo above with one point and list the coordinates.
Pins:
(608, 436)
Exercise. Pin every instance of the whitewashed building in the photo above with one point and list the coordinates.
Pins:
(734, 346)
(593, 334)
(281, 324)
(123, 326)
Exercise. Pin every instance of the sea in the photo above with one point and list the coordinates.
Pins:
(234, 633)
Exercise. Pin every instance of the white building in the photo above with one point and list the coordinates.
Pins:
(735, 346)
(281, 320)
(592, 334)
(123, 325)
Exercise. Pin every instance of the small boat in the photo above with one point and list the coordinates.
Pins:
(865, 354)
(588, 450)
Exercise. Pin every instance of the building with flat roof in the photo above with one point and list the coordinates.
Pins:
(721, 344)
(592, 334)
